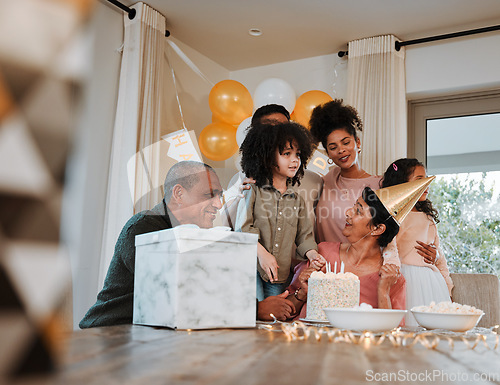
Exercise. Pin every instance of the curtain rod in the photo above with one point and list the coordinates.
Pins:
(400, 44)
(131, 12)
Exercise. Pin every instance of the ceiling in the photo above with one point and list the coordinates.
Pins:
(296, 29)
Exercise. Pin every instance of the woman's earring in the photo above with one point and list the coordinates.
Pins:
(330, 161)
(359, 151)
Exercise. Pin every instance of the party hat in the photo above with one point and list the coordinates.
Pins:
(400, 199)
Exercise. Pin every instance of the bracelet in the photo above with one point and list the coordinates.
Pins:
(297, 297)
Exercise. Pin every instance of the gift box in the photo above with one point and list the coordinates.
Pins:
(192, 278)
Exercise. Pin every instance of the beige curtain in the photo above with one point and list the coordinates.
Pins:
(133, 171)
(376, 88)
(153, 86)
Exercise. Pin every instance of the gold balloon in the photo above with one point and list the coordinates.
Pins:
(230, 102)
(306, 103)
(217, 141)
(216, 119)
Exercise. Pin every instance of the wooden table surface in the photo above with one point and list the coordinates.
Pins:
(147, 356)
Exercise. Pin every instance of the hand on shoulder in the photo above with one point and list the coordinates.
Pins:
(247, 184)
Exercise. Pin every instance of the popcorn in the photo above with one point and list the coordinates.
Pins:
(448, 307)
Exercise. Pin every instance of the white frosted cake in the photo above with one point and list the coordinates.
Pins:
(331, 290)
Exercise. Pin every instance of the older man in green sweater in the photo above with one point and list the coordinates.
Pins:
(192, 195)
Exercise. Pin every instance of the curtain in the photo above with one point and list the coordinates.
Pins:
(133, 171)
(154, 83)
(376, 88)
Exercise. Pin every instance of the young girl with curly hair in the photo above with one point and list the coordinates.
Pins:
(275, 156)
(422, 261)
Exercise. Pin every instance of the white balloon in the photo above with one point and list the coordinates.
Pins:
(241, 131)
(274, 91)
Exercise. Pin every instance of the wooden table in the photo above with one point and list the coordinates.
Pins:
(148, 356)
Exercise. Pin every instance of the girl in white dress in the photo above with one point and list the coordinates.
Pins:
(422, 261)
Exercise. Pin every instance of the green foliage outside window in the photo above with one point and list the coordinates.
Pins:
(469, 227)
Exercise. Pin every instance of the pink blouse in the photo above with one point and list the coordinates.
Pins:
(368, 283)
(339, 194)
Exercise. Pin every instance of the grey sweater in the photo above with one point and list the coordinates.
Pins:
(114, 303)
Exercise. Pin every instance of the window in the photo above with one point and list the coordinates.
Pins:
(458, 138)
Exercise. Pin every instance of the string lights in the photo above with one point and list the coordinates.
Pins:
(430, 339)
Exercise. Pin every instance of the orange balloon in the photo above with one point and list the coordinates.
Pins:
(218, 141)
(306, 103)
(230, 102)
(216, 119)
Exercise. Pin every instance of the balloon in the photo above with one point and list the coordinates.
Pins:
(216, 119)
(230, 101)
(241, 132)
(274, 91)
(218, 141)
(306, 103)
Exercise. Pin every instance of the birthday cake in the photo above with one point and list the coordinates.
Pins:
(331, 290)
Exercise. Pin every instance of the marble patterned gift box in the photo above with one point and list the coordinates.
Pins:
(192, 278)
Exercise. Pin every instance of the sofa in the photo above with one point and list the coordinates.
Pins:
(480, 291)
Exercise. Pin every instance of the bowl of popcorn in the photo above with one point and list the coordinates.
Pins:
(364, 318)
(447, 315)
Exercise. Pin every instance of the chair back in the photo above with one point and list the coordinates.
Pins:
(480, 291)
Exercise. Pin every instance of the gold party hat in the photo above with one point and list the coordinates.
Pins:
(400, 199)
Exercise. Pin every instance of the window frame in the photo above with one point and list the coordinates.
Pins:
(450, 106)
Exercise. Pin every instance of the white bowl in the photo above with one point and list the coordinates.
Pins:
(375, 320)
(448, 321)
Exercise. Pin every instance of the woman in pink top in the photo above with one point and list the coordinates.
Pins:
(422, 262)
(380, 285)
(335, 125)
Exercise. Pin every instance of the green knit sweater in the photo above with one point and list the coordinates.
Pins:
(114, 304)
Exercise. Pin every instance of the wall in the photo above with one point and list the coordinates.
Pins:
(447, 66)
(453, 66)
(326, 73)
